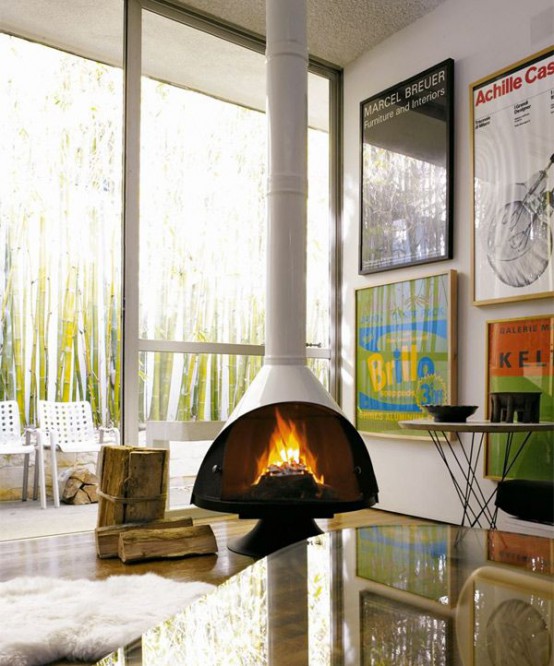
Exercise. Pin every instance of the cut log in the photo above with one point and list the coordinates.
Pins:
(147, 478)
(92, 493)
(146, 544)
(84, 475)
(70, 489)
(113, 466)
(133, 484)
(79, 498)
(107, 538)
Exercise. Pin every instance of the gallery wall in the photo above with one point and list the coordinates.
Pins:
(482, 37)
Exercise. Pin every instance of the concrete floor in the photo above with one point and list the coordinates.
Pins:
(23, 520)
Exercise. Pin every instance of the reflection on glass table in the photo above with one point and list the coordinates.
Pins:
(414, 594)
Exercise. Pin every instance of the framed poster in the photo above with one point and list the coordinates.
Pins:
(512, 119)
(519, 358)
(406, 172)
(405, 351)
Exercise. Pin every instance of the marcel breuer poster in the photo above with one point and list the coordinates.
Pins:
(406, 172)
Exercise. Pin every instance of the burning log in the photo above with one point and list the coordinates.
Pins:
(288, 468)
(292, 483)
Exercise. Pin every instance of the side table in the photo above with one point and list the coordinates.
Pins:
(475, 504)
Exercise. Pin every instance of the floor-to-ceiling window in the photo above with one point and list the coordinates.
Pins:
(61, 113)
(181, 180)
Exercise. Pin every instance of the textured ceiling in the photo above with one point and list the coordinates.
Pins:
(339, 31)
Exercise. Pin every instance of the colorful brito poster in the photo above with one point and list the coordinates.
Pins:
(405, 351)
(513, 182)
(521, 359)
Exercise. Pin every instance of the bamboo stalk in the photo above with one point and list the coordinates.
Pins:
(17, 323)
(93, 388)
(40, 355)
(154, 413)
(68, 335)
(113, 338)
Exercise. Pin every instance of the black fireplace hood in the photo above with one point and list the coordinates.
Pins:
(230, 478)
(330, 472)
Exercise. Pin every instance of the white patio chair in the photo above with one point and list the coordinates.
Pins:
(68, 427)
(12, 442)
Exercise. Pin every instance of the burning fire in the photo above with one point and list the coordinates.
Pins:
(288, 452)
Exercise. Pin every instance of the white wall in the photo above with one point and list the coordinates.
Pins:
(482, 36)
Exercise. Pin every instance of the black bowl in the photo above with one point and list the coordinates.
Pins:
(450, 413)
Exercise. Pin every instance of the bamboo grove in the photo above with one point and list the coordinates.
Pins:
(202, 239)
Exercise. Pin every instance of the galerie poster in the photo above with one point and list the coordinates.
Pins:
(513, 134)
(520, 357)
(405, 346)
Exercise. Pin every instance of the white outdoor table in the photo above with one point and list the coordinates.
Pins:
(465, 459)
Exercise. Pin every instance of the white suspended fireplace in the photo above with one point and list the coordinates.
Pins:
(287, 454)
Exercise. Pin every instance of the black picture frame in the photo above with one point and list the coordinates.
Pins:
(406, 172)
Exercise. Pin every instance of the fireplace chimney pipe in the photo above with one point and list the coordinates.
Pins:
(287, 187)
(285, 377)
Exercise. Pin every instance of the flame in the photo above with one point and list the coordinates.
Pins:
(288, 451)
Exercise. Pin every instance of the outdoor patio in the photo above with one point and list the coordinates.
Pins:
(22, 520)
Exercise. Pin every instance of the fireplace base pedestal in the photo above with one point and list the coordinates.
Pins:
(273, 533)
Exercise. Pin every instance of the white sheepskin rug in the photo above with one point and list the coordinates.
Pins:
(46, 619)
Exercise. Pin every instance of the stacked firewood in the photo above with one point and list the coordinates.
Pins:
(80, 487)
(131, 509)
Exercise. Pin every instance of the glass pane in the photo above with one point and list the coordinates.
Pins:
(319, 251)
(203, 191)
(60, 216)
(202, 201)
(192, 387)
(179, 394)
(320, 368)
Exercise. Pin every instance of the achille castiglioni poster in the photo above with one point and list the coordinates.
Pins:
(513, 158)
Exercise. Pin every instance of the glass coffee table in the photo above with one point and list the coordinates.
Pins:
(404, 594)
